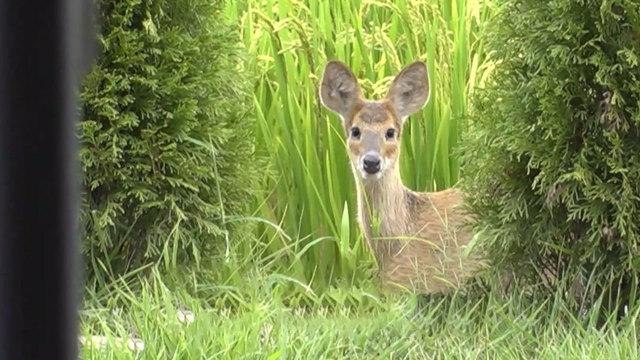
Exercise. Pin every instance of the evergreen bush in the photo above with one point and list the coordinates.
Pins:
(166, 135)
(552, 158)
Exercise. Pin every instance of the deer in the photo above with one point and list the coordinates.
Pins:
(419, 239)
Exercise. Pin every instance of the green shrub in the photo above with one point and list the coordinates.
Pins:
(166, 136)
(552, 161)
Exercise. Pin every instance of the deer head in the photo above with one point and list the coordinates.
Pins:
(374, 127)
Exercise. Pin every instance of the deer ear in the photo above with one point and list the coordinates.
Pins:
(339, 90)
(410, 90)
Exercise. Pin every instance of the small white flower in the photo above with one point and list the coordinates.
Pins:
(101, 342)
(135, 344)
(185, 316)
(94, 341)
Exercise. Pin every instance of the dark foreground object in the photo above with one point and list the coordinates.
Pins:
(40, 62)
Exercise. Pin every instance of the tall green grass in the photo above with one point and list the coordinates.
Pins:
(289, 41)
(258, 326)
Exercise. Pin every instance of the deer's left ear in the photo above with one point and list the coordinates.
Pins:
(410, 90)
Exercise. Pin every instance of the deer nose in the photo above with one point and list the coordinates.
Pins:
(371, 163)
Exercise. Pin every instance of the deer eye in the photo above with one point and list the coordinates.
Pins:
(355, 132)
(391, 133)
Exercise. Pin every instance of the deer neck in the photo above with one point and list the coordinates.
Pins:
(383, 206)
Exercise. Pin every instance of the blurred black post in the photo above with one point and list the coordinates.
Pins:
(41, 59)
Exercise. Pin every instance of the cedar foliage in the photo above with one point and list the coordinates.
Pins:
(553, 154)
(166, 137)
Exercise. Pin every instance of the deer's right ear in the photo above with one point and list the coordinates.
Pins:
(339, 90)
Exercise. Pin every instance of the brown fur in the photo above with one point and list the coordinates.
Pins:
(418, 239)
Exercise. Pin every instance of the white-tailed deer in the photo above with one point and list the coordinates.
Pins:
(417, 238)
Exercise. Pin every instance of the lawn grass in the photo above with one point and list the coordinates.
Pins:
(256, 323)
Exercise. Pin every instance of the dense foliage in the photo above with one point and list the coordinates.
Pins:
(166, 134)
(553, 161)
